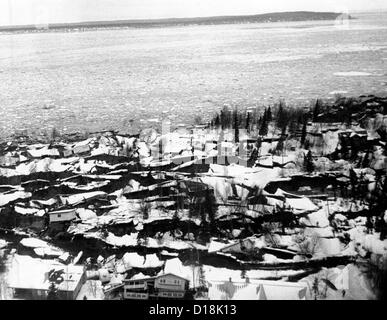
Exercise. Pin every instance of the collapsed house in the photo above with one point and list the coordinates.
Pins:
(32, 279)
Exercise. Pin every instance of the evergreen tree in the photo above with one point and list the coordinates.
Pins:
(223, 118)
(217, 121)
(303, 134)
(281, 116)
(354, 182)
(269, 116)
(283, 133)
(264, 125)
(236, 127)
(308, 162)
(2, 264)
(52, 292)
(280, 145)
(316, 110)
(293, 127)
(248, 122)
(202, 277)
(161, 149)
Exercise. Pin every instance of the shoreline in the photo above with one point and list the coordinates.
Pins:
(296, 16)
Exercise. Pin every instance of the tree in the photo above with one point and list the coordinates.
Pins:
(161, 149)
(54, 134)
(316, 110)
(281, 143)
(308, 162)
(303, 134)
(198, 120)
(315, 288)
(144, 209)
(222, 118)
(248, 122)
(264, 125)
(217, 121)
(236, 127)
(202, 277)
(52, 292)
(269, 116)
(2, 264)
(376, 272)
(281, 116)
(354, 182)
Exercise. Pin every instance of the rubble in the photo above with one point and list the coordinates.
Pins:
(186, 197)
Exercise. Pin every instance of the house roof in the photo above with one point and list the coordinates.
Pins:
(171, 274)
(62, 211)
(142, 277)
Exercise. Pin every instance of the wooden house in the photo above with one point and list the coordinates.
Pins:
(168, 286)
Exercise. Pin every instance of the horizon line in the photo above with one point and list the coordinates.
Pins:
(182, 18)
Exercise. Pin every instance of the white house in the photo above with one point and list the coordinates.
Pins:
(62, 215)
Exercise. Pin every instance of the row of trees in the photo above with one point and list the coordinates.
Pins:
(284, 118)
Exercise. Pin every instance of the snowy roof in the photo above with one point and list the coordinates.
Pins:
(171, 274)
(34, 243)
(30, 273)
(140, 276)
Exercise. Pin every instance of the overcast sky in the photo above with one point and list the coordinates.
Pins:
(16, 12)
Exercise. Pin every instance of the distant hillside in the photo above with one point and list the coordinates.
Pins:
(259, 18)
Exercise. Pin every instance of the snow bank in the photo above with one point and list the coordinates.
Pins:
(78, 198)
(7, 198)
(134, 260)
(329, 247)
(216, 245)
(124, 241)
(316, 219)
(43, 152)
(3, 243)
(301, 204)
(85, 214)
(34, 243)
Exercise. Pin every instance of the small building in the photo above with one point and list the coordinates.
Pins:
(62, 215)
(67, 153)
(81, 149)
